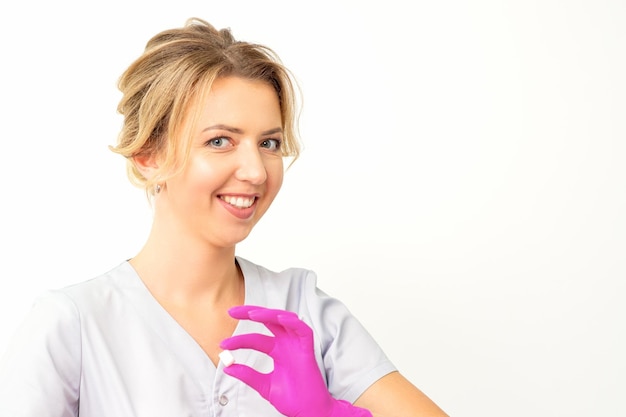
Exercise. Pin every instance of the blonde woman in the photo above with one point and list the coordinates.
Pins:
(186, 327)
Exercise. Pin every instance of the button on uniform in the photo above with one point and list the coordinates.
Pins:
(223, 400)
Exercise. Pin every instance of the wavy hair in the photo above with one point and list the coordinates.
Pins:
(176, 70)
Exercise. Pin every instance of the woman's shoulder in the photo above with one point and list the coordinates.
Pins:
(291, 288)
(289, 275)
(91, 292)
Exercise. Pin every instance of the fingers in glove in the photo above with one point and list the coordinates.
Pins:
(270, 318)
(266, 316)
(241, 312)
(256, 341)
(269, 315)
(284, 323)
(261, 314)
(297, 328)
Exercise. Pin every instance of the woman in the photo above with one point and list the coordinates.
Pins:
(207, 123)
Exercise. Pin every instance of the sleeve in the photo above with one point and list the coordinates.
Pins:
(352, 359)
(40, 371)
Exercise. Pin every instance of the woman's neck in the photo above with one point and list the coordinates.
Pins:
(181, 270)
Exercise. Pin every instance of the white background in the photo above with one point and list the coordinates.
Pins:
(462, 187)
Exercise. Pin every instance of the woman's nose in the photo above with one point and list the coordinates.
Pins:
(251, 167)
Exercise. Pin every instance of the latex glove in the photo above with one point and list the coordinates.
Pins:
(295, 386)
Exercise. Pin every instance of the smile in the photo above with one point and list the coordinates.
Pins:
(239, 202)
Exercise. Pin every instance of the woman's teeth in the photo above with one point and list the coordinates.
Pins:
(239, 202)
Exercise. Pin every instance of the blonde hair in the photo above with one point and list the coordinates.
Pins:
(177, 69)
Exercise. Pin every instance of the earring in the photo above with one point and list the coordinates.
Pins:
(157, 188)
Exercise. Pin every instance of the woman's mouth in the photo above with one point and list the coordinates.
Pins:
(238, 201)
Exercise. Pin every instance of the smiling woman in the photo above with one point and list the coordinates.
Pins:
(233, 169)
(207, 123)
(188, 62)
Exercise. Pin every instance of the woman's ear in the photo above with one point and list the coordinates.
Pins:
(146, 164)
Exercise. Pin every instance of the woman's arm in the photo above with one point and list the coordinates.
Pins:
(395, 396)
(295, 386)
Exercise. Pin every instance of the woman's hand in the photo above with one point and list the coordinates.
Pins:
(295, 386)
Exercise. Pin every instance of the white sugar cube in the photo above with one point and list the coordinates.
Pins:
(226, 357)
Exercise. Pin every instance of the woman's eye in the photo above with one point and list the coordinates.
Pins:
(219, 142)
(271, 144)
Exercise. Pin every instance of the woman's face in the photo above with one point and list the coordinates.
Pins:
(235, 166)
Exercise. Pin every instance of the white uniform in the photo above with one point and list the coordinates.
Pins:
(105, 347)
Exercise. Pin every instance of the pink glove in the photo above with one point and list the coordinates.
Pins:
(295, 386)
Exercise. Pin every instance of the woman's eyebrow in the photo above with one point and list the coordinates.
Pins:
(223, 127)
(239, 131)
(272, 131)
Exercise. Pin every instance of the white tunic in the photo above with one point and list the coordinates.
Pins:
(106, 347)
